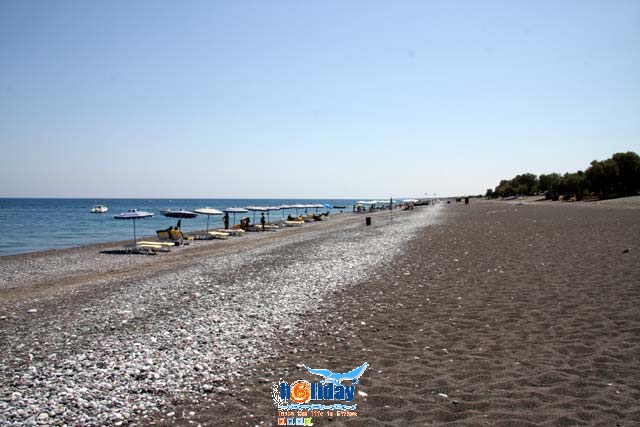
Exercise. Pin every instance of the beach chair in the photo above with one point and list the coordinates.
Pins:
(236, 232)
(294, 223)
(163, 245)
(218, 235)
(163, 235)
(146, 248)
(178, 236)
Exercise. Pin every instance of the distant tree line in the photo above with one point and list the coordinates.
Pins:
(615, 177)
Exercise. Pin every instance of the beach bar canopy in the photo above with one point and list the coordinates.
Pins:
(208, 212)
(133, 214)
(234, 211)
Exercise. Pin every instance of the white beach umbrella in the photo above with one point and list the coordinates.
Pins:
(410, 201)
(208, 212)
(297, 206)
(255, 209)
(269, 209)
(133, 214)
(234, 211)
(283, 208)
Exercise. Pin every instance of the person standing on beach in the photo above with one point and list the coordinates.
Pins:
(262, 220)
(226, 220)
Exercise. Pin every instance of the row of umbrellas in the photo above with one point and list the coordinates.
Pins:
(135, 214)
(383, 202)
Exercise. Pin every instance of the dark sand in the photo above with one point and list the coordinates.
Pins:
(502, 315)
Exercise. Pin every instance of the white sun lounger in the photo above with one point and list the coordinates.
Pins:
(232, 231)
(218, 235)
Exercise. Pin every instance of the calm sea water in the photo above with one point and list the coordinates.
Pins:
(39, 224)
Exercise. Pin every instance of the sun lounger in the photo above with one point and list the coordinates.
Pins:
(267, 227)
(160, 244)
(294, 223)
(146, 248)
(218, 235)
(178, 236)
(232, 231)
(163, 235)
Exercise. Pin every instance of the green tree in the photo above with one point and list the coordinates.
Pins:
(603, 177)
(548, 184)
(628, 182)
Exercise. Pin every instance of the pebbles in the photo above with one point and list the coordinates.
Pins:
(184, 334)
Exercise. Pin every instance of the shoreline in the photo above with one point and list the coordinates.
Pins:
(42, 267)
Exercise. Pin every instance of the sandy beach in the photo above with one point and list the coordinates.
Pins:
(499, 314)
(492, 313)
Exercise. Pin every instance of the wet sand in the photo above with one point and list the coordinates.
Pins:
(500, 314)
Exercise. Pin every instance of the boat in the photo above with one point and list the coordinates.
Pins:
(99, 209)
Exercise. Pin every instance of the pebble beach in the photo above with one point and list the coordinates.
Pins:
(95, 337)
(493, 313)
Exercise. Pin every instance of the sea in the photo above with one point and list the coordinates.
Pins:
(30, 225)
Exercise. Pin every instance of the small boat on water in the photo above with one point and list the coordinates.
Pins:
(99, 209)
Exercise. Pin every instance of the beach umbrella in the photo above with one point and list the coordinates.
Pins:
(234, 211)
(255, 209)
(327, 205)
(208, 212)
(318, 206)
(178, 213)
(410, 201)
(271, 208)
(283, 207)
(297, 206)
(133, 214)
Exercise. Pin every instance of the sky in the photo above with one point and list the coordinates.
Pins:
(291, 99)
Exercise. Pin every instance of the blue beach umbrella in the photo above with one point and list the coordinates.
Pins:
(327, 205)
(133, 214)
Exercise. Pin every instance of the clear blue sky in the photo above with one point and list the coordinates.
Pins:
(310, 99)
